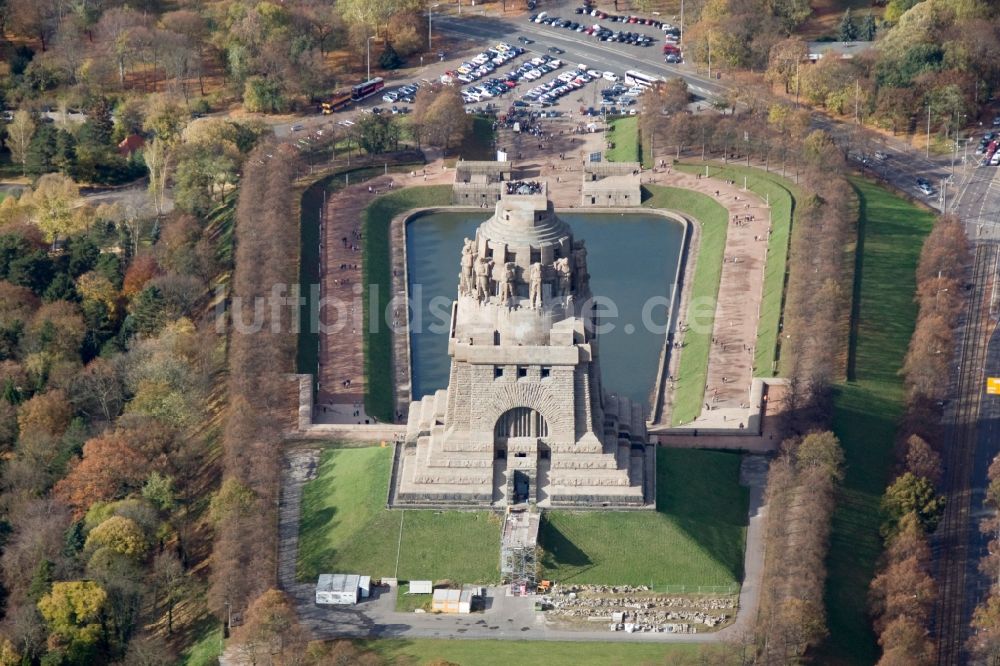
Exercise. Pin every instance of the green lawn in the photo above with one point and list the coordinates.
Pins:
(421, 652)
(407, 603)
(345, 527)
(867, 407)
(695, 537)
(713, 219)
(378, 271)
(624, 133)
(781, 193)
(206, 649)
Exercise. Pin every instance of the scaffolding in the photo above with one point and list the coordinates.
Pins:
(518, 561)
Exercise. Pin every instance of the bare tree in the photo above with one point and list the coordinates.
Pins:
(19, 134)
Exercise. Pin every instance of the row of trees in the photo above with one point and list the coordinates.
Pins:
(801, 494)
(985, 642)
(244, 511)
(903, 592)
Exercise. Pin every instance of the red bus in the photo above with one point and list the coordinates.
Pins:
(367, 89)
(340, 100)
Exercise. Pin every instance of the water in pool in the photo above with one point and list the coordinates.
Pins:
(631, 258)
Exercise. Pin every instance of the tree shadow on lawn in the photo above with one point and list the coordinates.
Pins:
(689, 495)
(559, 551)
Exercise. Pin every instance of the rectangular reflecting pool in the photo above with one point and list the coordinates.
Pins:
(632, 259)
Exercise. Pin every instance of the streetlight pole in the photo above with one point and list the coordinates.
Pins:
(368, 50)
(709, 40)
(430, 25)
(927, 150)
(680, 40)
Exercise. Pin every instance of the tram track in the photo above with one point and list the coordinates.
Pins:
(951, 540)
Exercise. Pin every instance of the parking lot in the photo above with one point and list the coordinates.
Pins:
(626, 29)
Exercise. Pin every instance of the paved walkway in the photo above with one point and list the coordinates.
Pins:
(737, 311)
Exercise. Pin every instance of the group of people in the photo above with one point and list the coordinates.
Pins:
(523, 187)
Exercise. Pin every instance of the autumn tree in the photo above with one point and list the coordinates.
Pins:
(52, 201)
(270, 632)
(922, 460)
(157, 158)
(120, 535)
(109, 467)
(19, 133)
(822, 451)
(73, 611)
(906, 642)
(783, 62)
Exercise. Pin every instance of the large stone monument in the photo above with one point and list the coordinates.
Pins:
(524, 417)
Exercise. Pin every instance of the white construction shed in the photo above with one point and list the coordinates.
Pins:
(452, 601)
(342, 589)
(421, 587)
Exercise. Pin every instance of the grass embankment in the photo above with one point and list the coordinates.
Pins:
(695, 537)
(345, 527)
(692, 373)
(867, 407)
(530, 653)
(624, 134)
(378, 271)
(781, 194)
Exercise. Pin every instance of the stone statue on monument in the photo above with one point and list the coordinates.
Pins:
(505, 281)
(565, 274)
(535, 285)
(466, 279)
(582, 277)
(483, 268)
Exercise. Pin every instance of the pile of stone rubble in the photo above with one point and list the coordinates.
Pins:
(637, 609)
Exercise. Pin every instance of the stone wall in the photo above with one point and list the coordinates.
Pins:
(598, 170)
(476, 194)
(494, 171)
